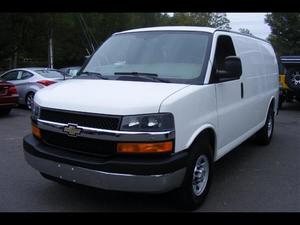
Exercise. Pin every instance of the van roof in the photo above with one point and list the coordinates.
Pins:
(187, 28)
(173, 28)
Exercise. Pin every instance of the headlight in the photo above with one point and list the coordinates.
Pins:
(148, 122)
(35, 111)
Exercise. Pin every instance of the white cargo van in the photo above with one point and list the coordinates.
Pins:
(153, 109)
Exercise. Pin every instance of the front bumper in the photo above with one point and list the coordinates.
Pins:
(134, 174)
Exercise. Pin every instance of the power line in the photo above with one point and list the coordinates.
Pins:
(89, 31)
(85, 33)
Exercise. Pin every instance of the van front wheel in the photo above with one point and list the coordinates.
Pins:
(264, 135)
(198, 176)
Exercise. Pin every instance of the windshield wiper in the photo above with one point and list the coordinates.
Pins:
(148, 76)
(94, 74)
(136, 73)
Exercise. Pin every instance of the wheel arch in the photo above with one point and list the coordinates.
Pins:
(273, 104)
(207, 131)
(28, 92)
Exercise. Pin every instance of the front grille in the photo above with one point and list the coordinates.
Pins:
(80, 145)
(81, 119)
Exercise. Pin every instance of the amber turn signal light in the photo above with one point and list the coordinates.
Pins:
(36, 132)
(158, 147)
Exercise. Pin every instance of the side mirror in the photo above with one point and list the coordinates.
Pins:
(232, 69)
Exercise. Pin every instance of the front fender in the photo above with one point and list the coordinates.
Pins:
(197, 133)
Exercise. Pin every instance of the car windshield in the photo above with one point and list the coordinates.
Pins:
(176, 56)
(50, 73)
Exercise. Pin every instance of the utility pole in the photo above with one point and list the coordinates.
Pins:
(50, 46)
(50, 50)
(15, 58)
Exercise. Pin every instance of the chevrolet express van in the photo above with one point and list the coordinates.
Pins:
(153, 109)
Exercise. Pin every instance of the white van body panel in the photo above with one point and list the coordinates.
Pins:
(106, 96)
(260, 73)
(194, 109)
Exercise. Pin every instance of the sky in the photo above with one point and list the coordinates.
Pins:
(252, 21)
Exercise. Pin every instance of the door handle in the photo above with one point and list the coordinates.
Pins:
(242, 90)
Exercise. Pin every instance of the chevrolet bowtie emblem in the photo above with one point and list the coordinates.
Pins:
(72, 130)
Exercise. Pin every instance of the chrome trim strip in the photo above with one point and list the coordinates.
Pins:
(105, 180)
(282, 59)
(112, 135)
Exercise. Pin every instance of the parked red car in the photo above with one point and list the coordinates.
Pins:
(8, 97)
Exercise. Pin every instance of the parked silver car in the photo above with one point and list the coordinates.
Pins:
(29, 80)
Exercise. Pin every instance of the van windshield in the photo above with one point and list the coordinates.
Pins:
(176, 56)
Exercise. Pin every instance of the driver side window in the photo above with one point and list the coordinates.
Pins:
(224, 48)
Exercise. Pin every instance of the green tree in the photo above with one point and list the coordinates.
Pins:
(13, 28)
(219, 20)
(285, 32)
(216, 20)
(26, 35)
(245, 31)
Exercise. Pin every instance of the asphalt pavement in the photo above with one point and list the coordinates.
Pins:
(250, 178)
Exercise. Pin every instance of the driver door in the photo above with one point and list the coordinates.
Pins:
(230, 102)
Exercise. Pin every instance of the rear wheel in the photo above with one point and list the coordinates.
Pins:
(198, 177)
(264, 135)
(29, 99)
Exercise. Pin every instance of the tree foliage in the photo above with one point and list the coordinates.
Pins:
(216, 20)
(245, 31)
(285, 32)
(25, 36)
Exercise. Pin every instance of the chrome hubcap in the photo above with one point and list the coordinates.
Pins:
(29, 101)
(200, 175)
(270, 126)
(296, 78)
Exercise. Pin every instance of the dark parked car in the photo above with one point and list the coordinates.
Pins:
(8, 97)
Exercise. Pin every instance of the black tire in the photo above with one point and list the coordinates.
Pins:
(5, 112)
(185, 195)
(28, 100)
(292, 79)
(264, 135)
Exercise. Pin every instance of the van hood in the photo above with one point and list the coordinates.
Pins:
(106, 96)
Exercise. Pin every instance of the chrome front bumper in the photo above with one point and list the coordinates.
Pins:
(110, 181)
